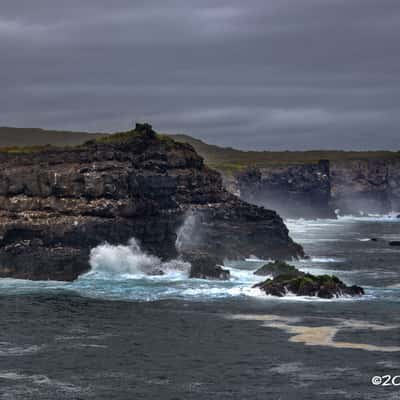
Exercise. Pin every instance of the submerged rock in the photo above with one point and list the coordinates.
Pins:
(302, 284)
(155, 272)
(56, 204)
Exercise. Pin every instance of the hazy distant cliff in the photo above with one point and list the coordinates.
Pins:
(294, 190)
(317, 190)
(56, 204)
(365, 185)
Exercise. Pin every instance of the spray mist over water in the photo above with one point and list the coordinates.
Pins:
(186, 235)
(130, 261)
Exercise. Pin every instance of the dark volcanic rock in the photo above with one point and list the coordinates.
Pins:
(205, 266)
(57, 204)
(301, 284)
(317, 190)
(369, 186)
(277, 268)
(294, 190)
(235, 229)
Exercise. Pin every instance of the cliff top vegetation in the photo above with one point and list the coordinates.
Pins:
(226, 159)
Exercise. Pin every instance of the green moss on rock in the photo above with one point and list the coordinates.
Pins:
(277, 268)
(302, 284)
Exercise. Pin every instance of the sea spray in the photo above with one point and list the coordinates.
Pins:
(186, 235)
(130, 260)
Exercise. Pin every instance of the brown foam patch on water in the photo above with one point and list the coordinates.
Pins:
(321, 335)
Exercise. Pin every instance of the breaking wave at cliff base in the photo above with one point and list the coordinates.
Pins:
(130, 261)
(127, 272)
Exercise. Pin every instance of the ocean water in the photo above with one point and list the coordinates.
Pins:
(116, 333)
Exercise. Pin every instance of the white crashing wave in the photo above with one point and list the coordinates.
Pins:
(130, 261)
(326, 260)
(392, 217)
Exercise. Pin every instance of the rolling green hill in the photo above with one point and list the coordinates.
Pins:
(28, 137)
(228, 159)
(225, 159)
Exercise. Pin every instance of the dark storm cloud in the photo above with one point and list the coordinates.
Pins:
(261, 74)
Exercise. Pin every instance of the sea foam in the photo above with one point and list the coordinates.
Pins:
(130, 261)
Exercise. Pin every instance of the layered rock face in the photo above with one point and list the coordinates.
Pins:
(293, 190)
(371, 186)
(57, 204)
(317, 190)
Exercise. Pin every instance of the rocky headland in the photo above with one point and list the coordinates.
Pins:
(56, 204)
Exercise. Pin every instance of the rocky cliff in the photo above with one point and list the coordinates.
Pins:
(317, 190)
(294, 190)
(56, 204)
(370, 186)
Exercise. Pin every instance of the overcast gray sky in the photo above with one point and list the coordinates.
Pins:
(257, 74)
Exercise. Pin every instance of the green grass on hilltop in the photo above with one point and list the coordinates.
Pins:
(27, 137)
(225, 159)
(124, 137)
(120, 137)
(231, 160)
(25, 140)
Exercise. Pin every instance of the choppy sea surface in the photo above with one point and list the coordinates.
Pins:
(116, 333)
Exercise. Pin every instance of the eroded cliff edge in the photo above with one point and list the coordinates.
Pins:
(317, 190)
(56, 204)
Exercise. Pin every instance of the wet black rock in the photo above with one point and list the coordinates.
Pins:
(155, 272)
(277, 268)
(301, 284)
(204, 266)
